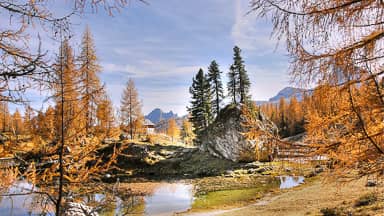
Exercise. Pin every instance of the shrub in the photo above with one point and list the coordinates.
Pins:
(365, 200)
(330, 212)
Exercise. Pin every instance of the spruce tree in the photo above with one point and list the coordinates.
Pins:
(239, 83)
(200, 109)
(214, 79)
(232, 84)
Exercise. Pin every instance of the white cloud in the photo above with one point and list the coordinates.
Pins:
(160, 84)
(249, 32)
(150, 68)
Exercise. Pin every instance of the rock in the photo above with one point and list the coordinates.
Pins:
(319, 170)
(228, 172)
(253, 165)
(240, 172)
(261, 170)
(187, 150)
(371, 183)
(124, 136)
(252, 171)
(78, 209)
(224, 138)
(311, 174)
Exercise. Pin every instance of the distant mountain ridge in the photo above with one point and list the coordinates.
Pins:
(287, 93)
(158, 115)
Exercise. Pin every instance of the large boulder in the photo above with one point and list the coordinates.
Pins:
(225, 136)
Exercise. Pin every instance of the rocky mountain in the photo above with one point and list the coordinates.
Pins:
(287, 93)
(158, 115)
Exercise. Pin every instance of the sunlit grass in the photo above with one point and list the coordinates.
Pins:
(231, 198)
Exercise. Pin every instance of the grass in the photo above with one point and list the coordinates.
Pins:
(223, 199)
(227, 198)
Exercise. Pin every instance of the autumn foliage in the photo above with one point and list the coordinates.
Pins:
(337, 45)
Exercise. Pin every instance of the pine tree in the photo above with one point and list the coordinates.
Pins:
(66, 92)
(232, 84)
(130, 106)
(91, 89)
(282, 123)
(214, 79)
(244, 83)
(239, 84)
(200, 110)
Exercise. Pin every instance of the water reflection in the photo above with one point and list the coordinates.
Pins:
(168, 199)
(164, 199)
(290, 181)
(159, 199)
(20, 205)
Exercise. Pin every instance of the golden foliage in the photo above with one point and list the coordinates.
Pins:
(173, 130)
(339, 46)
(187, 132)
(8, 177)
(254, 132)
(130, 107)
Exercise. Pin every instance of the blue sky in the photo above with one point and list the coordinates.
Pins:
(162, 45)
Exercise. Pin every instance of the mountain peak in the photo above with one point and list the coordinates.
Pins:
(289, 92)
(158, 115)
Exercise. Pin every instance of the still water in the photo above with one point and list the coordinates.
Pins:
(164, 199)
(290, 181)
(168, 199)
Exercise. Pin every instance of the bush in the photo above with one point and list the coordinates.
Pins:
(246, 156)
(365, 200)
(330, 212)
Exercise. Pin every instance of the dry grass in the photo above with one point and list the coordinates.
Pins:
(310, 198)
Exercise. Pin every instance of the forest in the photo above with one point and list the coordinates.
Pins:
(88, 148)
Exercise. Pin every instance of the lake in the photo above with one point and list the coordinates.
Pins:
(164, 198)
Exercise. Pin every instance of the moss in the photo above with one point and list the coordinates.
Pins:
(227, 198)
(231, 198)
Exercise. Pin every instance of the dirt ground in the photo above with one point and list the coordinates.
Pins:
(310, 198)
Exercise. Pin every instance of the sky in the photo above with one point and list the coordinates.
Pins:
(162, 45)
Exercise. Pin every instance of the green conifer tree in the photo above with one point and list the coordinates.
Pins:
(214, 79)
(200, 110)
(232, 84)
(239, 83)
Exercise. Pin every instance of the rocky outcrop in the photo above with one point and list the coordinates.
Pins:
(79, 209)
(225, 137)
